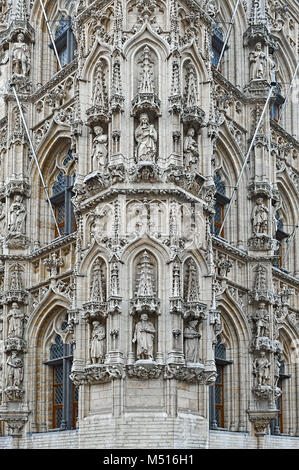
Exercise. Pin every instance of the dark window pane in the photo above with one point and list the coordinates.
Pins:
(220, 187)
(220, 350)
(58, 374)
(56, 350)
(58, 400)
(58, 417)
(59, 185)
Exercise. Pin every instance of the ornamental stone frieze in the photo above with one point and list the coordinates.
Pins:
(143, 370)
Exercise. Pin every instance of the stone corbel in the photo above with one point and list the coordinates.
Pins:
(97, 114)
(261, 420)
(150, 305)
(195, 310)
(15, 421)
(103, 373)
(94, 311)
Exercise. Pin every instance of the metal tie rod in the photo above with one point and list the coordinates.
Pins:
(228, 34)
(50, 33)
(273, 84)
(34, 155)
(289, 92)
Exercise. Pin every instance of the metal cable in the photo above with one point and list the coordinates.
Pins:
(50, 34)
(34, 155)
(247, 156)
(231, 23)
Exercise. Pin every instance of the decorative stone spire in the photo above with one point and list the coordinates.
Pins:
(146, 83)
(257, 12)
(19, 11)
(192, 290)
(145, 287)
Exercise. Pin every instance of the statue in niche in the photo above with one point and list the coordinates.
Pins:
(257, 59)
(259, 218)
(138, 220)
(17, 215)
(16, 279)
(2, 218)
(146, 137)
(261, 366)
(191, 89)
(15, 321)
(261, 318)
(223, 265)
(97, 346)
(97, 290)
(144, 338)
(15, 371)
(273, 69)
(100, 144)
(191, 153)
(20, 56)
(191, 342)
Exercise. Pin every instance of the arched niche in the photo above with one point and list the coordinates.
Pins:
(98, 281)
(191, 282)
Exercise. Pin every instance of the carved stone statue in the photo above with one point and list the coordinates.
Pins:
(15, 321)
(53, 263)
(20, 56)
(146, 137)
(17, 215)
(191, 97)
(272, 69)
(259, 218)
(261, 318)
(223, 265)
(97, 347)
(15, 371)
(100, 143)
(144, 338)
(191, 342)
(190, 150)
(261, 367)
(257, 59)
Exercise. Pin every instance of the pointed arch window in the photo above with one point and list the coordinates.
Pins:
(216, 47)
(65, 41)
(62, 193)
(277, 426)
(64, 393)
(276, 108)
(217, 391)
(280, 235)
(220, 202)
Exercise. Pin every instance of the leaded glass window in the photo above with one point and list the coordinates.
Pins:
(217, 391)
(61, 201)
(280, 235)
(220, 201)
(59, 185)
(65, 41)
(64, 393)
(56, 350)
(216, 46)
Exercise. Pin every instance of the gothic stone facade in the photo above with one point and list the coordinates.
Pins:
(148, 279)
